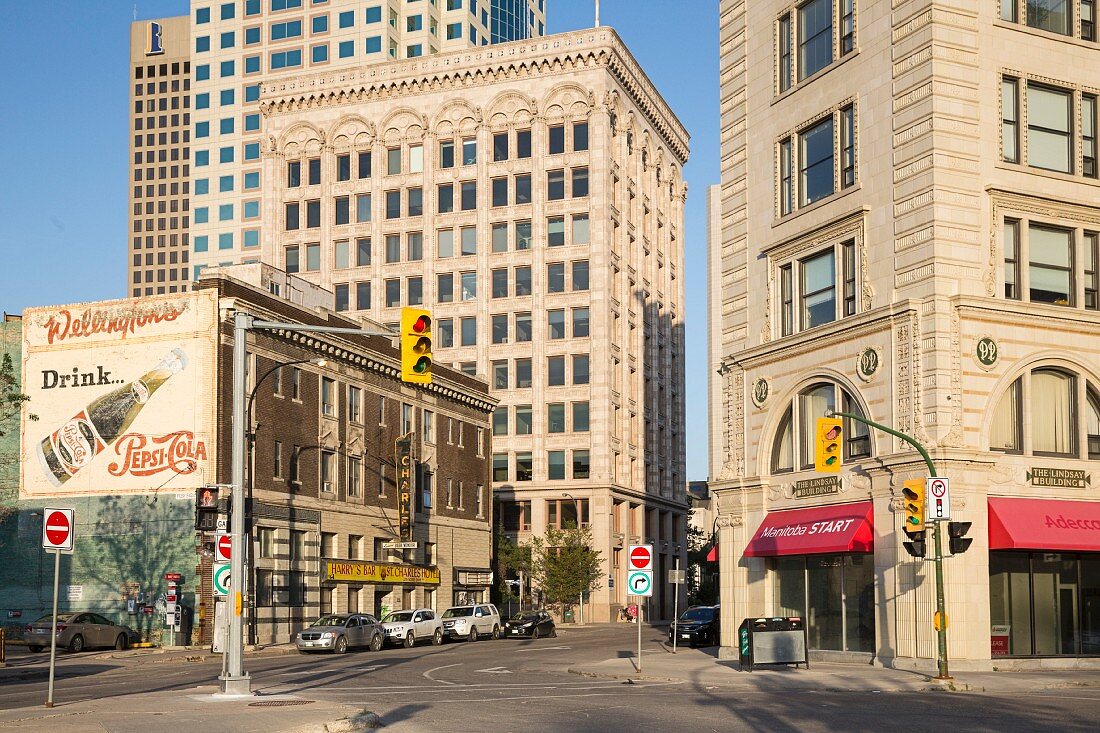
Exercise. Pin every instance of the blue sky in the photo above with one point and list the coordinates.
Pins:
(63, 167)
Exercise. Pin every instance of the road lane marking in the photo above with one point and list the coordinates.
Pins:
(538, 649)
(428, 675)
(496, 670)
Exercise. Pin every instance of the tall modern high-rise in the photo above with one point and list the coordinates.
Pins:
(236, 47)
(160, 124)
(531, 196)
(909, 231)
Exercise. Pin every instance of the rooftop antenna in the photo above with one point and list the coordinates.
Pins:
(597, 13)
(135, 11)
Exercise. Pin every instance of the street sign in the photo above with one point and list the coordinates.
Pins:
(173, 577)
(221, 579)
(223, 548)
(400, 545)
(641, 557)
(677, 576)
(938, 498)
(639, 582)
(57, 529)
(223, 524)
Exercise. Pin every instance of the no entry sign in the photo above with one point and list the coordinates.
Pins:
(641, 557)
(57, 529)
(223, 548)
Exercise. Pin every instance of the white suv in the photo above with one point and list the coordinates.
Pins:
(471, 622)
(410, 626)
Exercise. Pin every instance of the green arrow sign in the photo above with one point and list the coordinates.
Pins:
(221, 579)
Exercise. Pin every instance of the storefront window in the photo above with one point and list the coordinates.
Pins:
(834, 593)
(1044, 604)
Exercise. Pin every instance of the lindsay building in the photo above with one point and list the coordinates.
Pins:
(919, 245)
(134, 404)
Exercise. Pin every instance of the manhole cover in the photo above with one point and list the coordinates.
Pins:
(278, 703)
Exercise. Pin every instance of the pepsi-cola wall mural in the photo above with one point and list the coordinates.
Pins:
(125, 396)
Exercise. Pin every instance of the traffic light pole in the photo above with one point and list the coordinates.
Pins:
(941, 632)
(236, 681)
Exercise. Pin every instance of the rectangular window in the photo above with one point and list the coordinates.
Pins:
(414, 246)
(469, 151)
(362, 295)
(447, 154)
(523, 188)
(468, 327)
(468, 195)
(393, 248)
(444, 291)
(342, 210)
(362, 251)
(580, 368)
(847, 146)
(555, 185)
(555, 231)
(393, 293)
(523, 143)
(500, 467)
(784, 53)
(580, 417)
(1010, 120)
(500, 374)
(523, 235)
(468, 286)
(343, 167)
(445, 201)
(555, 465)
(818, 290)
(556, 139)
(579, 186)
(499, 328)
(468, 236)
(364, 164)
(815, 162)
(1011, 237)
(555, 277)
(1091, 256)
(848, 261)
(500, 191)
(815, 37)
(1088, 20)
(296, 388)
(500, 146)
(847, 26)
(555, 371)
(499, 281)
(313, 214)
(355, 404)
(523, 327)
(524, 471)
(342, 296)
(414, 201)
(1050, 265)
(393, 204)
(1088, 136)
(313, 257)
(555, 320)
(445, 243)
(1049, 128)
(581, 469)
(522, 280)
(362, 208)
(523, 372)
(328, 471)
(290, 260)
(1049, 15)
(355, 482)
(580, 229)
(415, 290)
(580, 136)
(580, 275)
(291, 217)
(393, 161)
(580, 323)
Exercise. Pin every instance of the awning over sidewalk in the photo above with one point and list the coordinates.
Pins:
(1044, 524)
(815, 531)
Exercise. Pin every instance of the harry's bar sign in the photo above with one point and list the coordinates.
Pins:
(1069, 478)
(403, 460)
(816, 487)
(378, 572)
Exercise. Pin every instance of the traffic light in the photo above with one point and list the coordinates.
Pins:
(958, 541)
(827, 446)
(916, 545)
(206, 509)
(416, 346)
(913, 493)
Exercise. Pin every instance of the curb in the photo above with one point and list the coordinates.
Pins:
(360, 721)
(630, 678)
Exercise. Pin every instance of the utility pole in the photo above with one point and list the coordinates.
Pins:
(941, 632)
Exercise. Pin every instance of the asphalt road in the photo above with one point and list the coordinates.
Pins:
(523, 686)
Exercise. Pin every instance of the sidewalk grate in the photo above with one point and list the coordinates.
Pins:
(278, 703)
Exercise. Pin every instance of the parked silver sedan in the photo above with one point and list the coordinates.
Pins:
(76, 632)
(339, 632)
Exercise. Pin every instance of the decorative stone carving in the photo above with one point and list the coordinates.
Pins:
(955, 436)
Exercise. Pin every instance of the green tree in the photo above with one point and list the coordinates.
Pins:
(701, 589)
(564, 565)
(509, 559)
(11, 404)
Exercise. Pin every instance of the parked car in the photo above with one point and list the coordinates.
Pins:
(698, 626)
(339, 632)
(409, 626)
(471, 622)
(530, 623)
(76, 632)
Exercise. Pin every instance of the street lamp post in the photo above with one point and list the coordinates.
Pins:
(577, 508)
(246, 580)
(236, 681)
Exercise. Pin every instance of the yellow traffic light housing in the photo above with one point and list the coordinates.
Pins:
(828, 444)
(913, 493)
(416, 346)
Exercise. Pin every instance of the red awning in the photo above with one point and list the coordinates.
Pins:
(712, 556)
(1044, 524)
(815, 531)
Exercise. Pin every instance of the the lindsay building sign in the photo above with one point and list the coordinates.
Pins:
(124, 393)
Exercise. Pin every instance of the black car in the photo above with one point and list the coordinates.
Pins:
(697, 626)
(530, 623)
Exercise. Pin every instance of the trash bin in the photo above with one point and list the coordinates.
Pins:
(567, 617)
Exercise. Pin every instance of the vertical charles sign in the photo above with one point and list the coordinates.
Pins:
(403, 459)
(124, 391)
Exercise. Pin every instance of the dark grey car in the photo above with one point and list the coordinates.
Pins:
(77, 632)
(339, 632)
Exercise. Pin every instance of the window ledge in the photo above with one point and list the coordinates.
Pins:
(1046, 173)
(815, 76)
(820, 203)
(1032, 32)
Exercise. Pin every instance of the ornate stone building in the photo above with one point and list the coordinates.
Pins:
(908, 230)
(530, 194)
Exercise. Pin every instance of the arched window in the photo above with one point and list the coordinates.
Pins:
(795, 435)
(1056, 424)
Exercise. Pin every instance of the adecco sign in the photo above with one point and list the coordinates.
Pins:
(124, 391)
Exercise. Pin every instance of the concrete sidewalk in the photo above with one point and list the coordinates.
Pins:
(196, 709)
(700, 668)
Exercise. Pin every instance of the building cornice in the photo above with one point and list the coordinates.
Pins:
(458, 70)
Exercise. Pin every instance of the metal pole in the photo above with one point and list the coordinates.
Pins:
(676, 600)
(941, 605)
(236, 681)
(53, 635)
(638, 621)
